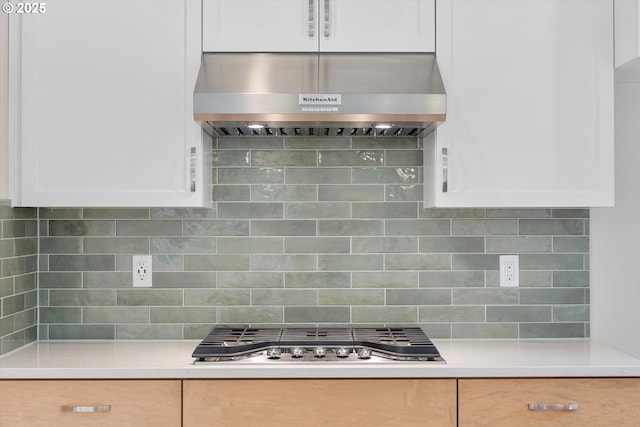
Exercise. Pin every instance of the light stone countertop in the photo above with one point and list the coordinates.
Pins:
(172, 359)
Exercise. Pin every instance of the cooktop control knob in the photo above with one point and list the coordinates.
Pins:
(364, 353)
(297, 352)
(319, 352)
(274, 353)
(342, 352)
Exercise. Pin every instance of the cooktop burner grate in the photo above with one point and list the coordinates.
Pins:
(225, 343)
(316, 336)
(229, 342)
(399, 341)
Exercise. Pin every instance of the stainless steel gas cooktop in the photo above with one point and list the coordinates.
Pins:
(317, 344)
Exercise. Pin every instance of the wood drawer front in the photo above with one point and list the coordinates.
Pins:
(330, 402)
(135, 403)
(603, 402)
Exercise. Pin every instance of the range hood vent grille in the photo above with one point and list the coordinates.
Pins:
(299, 130)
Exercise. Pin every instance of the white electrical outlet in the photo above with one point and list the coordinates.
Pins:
(141, 266)
(509, 270)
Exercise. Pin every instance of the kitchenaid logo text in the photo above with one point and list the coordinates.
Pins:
(319, 99)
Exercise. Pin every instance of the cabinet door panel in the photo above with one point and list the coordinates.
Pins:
(602, 402)
(627, 31)
(106, 113)
(260, 26)
(327, 25)
(4, 103)
(377, 26)
(137, 403)
(310, 403)
(529, 104)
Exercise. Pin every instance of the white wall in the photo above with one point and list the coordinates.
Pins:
(615, 232)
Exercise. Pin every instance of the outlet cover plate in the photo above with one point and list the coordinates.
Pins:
(141, 271)
(509, 270)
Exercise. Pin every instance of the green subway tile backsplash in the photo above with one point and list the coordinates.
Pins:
(387, 314)
(384, 279)
(351, 158)
(18, 276)
(320, 279)
(399, 175)
(352, 192)
(284, 297)
(317, 210)
(153, 331)
(286, 262)
(326, 176)
(282, 158)
(250, 314)
(302, 231)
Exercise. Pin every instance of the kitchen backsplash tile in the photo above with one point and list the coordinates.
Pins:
(465, 330)
(306, 231)
(18, 277)
(77, 331)
(326, 176)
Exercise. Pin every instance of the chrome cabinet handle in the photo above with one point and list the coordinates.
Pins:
(86, 409)
(445, 170)
(312, 19)
(192, 163)
(327, 18)
(545, 407)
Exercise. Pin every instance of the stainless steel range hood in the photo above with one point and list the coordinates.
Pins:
(326, 94)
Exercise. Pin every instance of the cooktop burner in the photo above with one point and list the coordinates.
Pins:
(314, 344)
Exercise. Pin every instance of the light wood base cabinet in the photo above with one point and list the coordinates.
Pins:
(601, 402)
(319, 402)
(89, 403)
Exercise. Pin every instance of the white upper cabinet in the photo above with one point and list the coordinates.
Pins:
(105, 105)
(4, 103)
(259, 26)
(529, 105)
(312, 25)
(627, 31)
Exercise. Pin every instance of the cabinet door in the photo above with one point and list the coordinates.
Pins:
(377, 26)
(627, 31)
(87, 403)
(529, 104)
(601, 402)
(106, 104)
(260, 26)
(323, 402)
(328, 25)
(4, 102)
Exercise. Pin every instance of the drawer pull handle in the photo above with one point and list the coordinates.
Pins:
(544, 407)
(86, 409)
